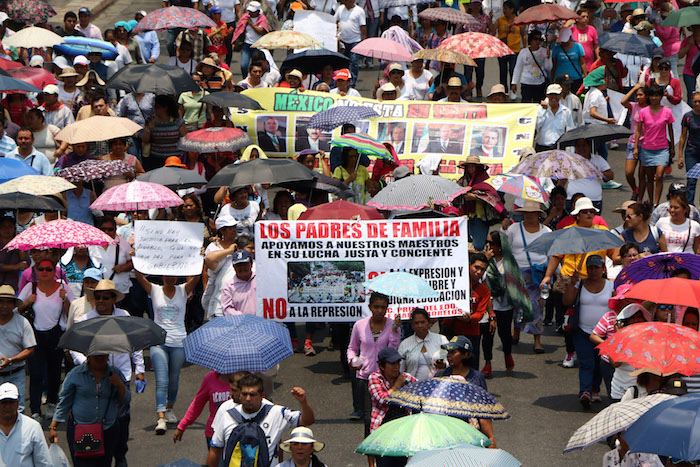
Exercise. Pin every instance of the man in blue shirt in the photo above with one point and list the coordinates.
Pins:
(97, 64)
(26, 153)
(148, 42)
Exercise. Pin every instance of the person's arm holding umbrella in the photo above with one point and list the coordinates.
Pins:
(571, 291)
(554, 263)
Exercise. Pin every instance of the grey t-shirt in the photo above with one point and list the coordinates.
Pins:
(15, 336)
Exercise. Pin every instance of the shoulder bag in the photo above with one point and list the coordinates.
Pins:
(89, 437)
(537, 271)
(544, 75)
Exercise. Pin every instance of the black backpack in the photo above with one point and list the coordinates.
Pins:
(247, 444)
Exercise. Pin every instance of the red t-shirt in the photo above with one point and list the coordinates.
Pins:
(480, 299)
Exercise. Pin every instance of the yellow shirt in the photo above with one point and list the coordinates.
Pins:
(504, 28)
(578, 261)
(358, 185)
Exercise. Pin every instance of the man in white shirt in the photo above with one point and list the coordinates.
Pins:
(326, 6)
(352, 29)
(26, 153)
(570, 100)
(553, 119)
(85, 26)
(254, 79)
(276, 421)
(342, 84)
(22, 442)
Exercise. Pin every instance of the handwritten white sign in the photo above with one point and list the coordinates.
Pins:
(168, 248)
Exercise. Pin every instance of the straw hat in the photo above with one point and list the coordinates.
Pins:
(88, 75)
(530, 206)
(295, 73)
(208, 61)
(624, 206)
(301, 434)
(107, 285)
(473, 159)
(6, 291)
(68, 72)
(387, 87)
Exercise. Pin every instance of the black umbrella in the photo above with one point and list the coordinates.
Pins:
(320, 182)
(311, 61)
(426, 213)
(602, 132)
(112, 334)
(630, 44)
(231, 99)
(25, 202)
(174, 178)
(153, 77)
(272, 171)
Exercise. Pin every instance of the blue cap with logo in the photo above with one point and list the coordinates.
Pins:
(458, 343)
(241, 256)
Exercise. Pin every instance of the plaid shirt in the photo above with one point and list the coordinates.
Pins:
(379, 391)
(199, 40)
(433, 41)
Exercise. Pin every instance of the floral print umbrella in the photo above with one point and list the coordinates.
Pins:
(451, 15)
(521, 186)
(557, 164)
(173, 17)
(91, 169)
(135, 196)
(286, 40)
(61, 233)
(476, 45)
(27, 11)
(446, 56)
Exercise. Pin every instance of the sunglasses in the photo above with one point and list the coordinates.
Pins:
(630, 216)
(664, 67)
(45, 269)
(103, 297)
(588, 211)
(666, 307)
(536, 38)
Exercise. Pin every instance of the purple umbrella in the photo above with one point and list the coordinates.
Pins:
(659, 266)
(173, 17)
(92, 169)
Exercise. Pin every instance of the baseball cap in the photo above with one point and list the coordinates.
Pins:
(401, 172)
(458, 343)
(214, 10)
(563, 78)
(595, 260)
(389, 354)
(564, 35)
(394, 67)
(50, 89)
(240, 257)
(8, 391)
(554, 89)
(296, 6)
(92, 273)
(254, 6)
(81, 60)
(84, 11)
(343, 74)
(657, 53)
(36, 61)
(225, 221)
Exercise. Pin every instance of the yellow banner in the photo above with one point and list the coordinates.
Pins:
(448, 131)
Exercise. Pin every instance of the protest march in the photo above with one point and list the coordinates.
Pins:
(307, 233)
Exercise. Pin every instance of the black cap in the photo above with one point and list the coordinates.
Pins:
(665, 61)
(595, 260)
(389, 354)
(563, 78)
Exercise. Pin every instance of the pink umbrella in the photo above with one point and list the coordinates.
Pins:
(383, 49)
(451, 15)
(135, 196)
(476, 45)
(61, 234)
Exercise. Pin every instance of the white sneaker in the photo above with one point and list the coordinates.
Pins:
(49, 410)
(170, 416)
(569, 360)
(161, 426)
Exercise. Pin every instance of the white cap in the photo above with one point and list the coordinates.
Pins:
(50, 89)
(142, 12)
(36, 60)
(8, 391)
(631, 310)
(81, 60)
(61, 62)
(564, 35)
(254, 6)
(554, 89)
(225, 221)
(3, 17)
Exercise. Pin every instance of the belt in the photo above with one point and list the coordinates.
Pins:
(12, 372)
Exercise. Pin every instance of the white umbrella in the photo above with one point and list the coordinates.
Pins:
(33, 37)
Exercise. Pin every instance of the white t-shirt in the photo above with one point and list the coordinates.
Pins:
(592, 188)
(677, 235)
(251, 37)
(352, 92)
(124, 57)
(48, 310)
(190, 66)
(416, 88)
(278, 420)
(622, 380)
(245, 217)
(349, 24)
(65, 97)
(326, 6)
(169, 313)
(595, 98)
(515, 238)
(593, 306)
(104, 259)
(228, 9)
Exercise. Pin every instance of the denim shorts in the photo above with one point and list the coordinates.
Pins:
(654, 157)
(630, 151)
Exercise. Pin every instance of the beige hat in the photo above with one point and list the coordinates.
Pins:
(6, 291)
(304, 435)
(638, 12)
(88, 75)
(295, 73)
(473, 159)
(394, 67)
(644, 25)
(454, 82)
(68, 72)
(583, 204)
(208, 61)
(624, 206)
(387, 87)
(497, 89)
(530, 206)
(554, 89)
(107, 285)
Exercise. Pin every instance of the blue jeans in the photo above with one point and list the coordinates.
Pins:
(674, 65)
(480, 68)
(479, 230)
(589, 374)
(690, 160)
(354, 61)
(167, 363)
(506, 65)
(246, 54)
(689, 81)
(19, 379)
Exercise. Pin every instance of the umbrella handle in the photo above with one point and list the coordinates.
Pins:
(580, 263)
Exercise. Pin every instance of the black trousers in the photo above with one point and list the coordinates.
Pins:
(340, 333)
(532, 93)
(45, 363)
(503, 327)
(124, 419)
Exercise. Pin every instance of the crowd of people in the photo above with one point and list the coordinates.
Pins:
(559, 66)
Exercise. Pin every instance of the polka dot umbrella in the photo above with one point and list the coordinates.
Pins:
(213, 140)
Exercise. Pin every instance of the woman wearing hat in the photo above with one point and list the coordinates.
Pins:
(394, 73)
(126, 39)
(68, 92)
(212, 76)
(302, 446)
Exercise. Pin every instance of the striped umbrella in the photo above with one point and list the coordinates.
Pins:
(383, 49)
(417, 192)
(286, 40)
(97, 128)
(364, 144)
(213, 140)
(447, 56)
(332, 118)
(173, 17)
(476, 45)
(464, 455)
(521, 186)
(451, 15)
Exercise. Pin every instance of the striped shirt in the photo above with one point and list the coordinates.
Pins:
(7, 145)
(164, 138)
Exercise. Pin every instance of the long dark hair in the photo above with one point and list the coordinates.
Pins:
(169, 103)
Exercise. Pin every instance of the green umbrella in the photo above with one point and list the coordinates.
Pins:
(684, 17)
(406, 436)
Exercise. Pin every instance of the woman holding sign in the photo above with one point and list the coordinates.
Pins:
(169, 307)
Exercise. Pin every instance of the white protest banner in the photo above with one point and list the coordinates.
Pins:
(168, 248)
(321, 26)
(315, 270)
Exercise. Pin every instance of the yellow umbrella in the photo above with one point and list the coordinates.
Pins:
(38, 185)
(97, 128)
(286, 40)
(33, 37)
(446, 56)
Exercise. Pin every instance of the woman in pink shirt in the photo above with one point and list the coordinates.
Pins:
(689, 49)
(587, 36)
(670, 37)
(656, 154)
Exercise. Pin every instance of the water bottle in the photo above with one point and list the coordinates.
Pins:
(544, 292)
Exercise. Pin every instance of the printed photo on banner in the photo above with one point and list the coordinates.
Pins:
(394, 133)
(326, 282)
(438, 138)
(272, 133)
(488, 141)
(310, 138)
(362, 126)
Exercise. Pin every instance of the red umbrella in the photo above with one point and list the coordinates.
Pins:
(659, 348)
(672, 291)
(545, 13)
(6, 64)
(174, 17)
(37, 77)
(214, 139)
(341, 210)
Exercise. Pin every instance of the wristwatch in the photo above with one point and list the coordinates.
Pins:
(492, 318)
(9, 362)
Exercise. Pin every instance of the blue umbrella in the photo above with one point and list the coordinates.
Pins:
(574, 240)
(448, 396)
(671, 428)
(7, 83)
(630, 44)
(334, 117)
(401, 284)
(11, 169)
(233, 343)
(466, 455)
(74, 46)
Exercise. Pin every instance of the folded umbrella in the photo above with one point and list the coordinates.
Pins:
(612, 420)
(226, 99)
(383, 49)
(11, 168)
(97, 128)
(659, 266)
(465, 455)
(310, 61)
(341, 210)
(574, 240)
(557, 165)
(40, 185)
(630, 44)
(61, 233)
(417, 192)
(135, 196)
(671, 291)
(112, 335)
(155, 78)
(333, 117)
(265, 171)
(25, 202)
(320, 182)
(595, 132)
(93, 169)
(233, 343)
(174, 178)
(214, 139)
(401, 284)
